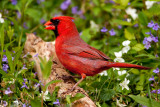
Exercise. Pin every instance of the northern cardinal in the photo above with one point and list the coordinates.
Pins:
(76, 55)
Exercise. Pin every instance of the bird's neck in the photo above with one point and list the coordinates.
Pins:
(69, 33)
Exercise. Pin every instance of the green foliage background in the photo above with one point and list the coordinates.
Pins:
(96, 14)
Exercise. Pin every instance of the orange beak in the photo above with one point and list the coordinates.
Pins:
(49, 26)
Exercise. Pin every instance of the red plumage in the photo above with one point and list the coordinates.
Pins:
(76, 55)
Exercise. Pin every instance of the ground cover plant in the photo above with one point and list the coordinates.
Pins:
(125, 30)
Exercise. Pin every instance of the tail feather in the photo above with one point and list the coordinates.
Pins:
(126, 65)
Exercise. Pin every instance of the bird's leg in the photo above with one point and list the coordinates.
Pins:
(82, 78)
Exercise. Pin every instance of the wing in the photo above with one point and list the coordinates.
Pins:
(86, 51)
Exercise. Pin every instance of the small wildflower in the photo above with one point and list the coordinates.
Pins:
(25, 25)
(36, 85)
(124, 84)
(104, 30)
(154, 91)
(158, 91)
(65, 4)
(36, 55)
(8, 91)
(18, 14)
(16, 103)
(57, 102)
(112, 32)
(119, 104)
(103, 73)
(24, 66)
(118, 57)
(125, 49)
(42, 21)
(126, 43)
(24, 83)
(74, 10)
(156, 27)
(151, 79)
(24, 105)
(156, 70)
(119, 26)
(155, 39)
(14, 2)
(5, 67)
(1, 19)
(45, 95)
(149, 4)
(136, 25)
(121, 72)
(5, 103)
(151, 24)
(4, 59)
(39, 1)
(132, 12)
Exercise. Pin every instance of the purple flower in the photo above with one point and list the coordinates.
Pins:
(8, 91)
(136, 25)
(18, 15)
(65, 4)
(39, 1)
(25, 25)
(104, 30)
(24, 66)
(129, 3)
(157, 55)
(158, 91)
(149, 39)
(57, 102)
(5, 67)
(74, 10)
(155, 39)
(36, 85)
(148, 33)
(147, 45)
(4, 59)
(156, 26)
(151, 79)
(35, 74)
(42, 21)
(112, 32)
(156, 70)
(14, 2)
(151, 24)
(154, 91)
(119, 26)
(5, 103)
(36, 55)
(24, 83)
(24, 105)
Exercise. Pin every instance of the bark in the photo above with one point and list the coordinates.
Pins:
(35, 45)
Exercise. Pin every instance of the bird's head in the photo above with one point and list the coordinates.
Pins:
(59, 24)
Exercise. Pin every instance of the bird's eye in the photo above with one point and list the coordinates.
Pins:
(55, 22)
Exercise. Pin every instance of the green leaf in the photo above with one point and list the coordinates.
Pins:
(2, 37)
(77, 97)
(138, 47)
(10, 62)
(46, 67)
(68, 99)
(129, 35)
(51, 82)
(143, 18)
(107, 94)
(17, 56)
(35, 103)
(121, 22)
(145, 101)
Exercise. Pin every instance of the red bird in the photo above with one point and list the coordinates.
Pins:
(76, 55)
